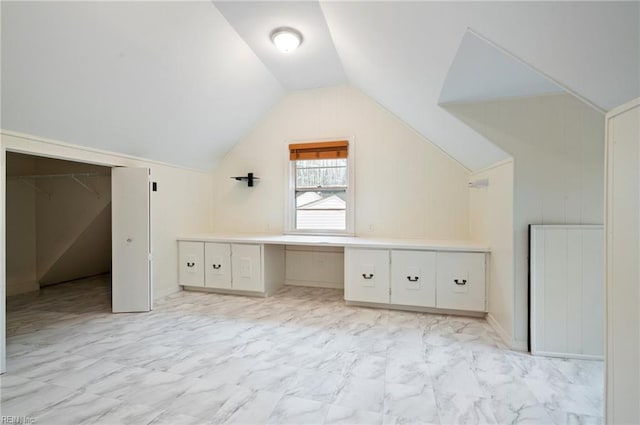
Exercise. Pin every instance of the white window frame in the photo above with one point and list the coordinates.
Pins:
(290, 187)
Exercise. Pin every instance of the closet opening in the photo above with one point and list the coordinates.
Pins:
(58, 242)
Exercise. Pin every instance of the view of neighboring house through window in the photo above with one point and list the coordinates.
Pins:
(321, 197)
(320, 192)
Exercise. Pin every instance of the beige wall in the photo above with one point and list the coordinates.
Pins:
(44, 231)
(21, 231)
(70, 213)
(558, 149)
(404, 185)
(491, 222)
(21, 239)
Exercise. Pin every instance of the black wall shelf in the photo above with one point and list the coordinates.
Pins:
(249, 178)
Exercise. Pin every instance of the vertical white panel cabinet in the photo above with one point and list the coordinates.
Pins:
(218, 265)
(191, 263)
(567, 289)
(446, 280)
(237, 267)
(413, 278)
(246, 267)
(367, 275)
(461, 281)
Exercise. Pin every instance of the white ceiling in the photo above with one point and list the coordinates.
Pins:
(314, 64)
(399, 53)
(170, 81)
(183, 81)
(481, 72)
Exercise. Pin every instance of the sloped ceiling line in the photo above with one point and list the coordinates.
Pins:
(175, 82)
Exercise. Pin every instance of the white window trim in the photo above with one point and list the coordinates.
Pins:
(289, 207)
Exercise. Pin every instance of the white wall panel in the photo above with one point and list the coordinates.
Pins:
(567, 288)
(314, 266)
(557, 145)
(623, 265)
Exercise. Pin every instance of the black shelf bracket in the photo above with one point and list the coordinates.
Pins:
(249, 178)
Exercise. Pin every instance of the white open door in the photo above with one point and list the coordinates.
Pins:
(131, 268)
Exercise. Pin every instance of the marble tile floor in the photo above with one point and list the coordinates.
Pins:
(299, 357)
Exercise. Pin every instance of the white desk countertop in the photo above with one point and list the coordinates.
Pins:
(341, 241)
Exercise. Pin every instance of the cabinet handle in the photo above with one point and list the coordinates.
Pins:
(413, 279)
(190, 264)
(217, 266)
(464, 282)
(367, 276)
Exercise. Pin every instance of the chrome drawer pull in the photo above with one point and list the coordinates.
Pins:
(217, 266)
(413, 279)
(367, 276)
(190, 264)
(464, 282)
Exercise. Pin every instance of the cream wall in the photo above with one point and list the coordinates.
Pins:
(399, 175)
(491, 222)
(558, 149)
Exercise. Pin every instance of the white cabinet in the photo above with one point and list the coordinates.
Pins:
(218, 265)
(416, 278)
(413, 278)
(367, 275)
(191, 263)
(239, 267)
(460, 281)
(246, 267)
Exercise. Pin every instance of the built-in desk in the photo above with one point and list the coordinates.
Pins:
(402, 273)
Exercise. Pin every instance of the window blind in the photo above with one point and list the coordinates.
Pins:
(319, 150)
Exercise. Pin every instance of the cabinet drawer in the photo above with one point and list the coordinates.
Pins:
(191, 263)
(460, 281)
(217, 265)
(413, 278)
(367, 275)
(246, 267)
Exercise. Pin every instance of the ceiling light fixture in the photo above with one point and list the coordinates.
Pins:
(286, 39)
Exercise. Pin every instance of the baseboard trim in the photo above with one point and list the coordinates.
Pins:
(225, 291)
(165, 293)
(313, 284)
(417, 309)
(505, 336)
(567, 355)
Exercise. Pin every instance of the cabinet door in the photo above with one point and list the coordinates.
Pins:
(217, 258)
(460, 281)
(246, 270)
(413, 278)
(367, 275)
(191, 263)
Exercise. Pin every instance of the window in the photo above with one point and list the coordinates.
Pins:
(320, 191)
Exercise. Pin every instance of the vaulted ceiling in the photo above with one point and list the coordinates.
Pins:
(182, 82)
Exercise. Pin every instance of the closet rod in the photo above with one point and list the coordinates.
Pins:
(87, 187)
(53, 176)
(36, 188)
